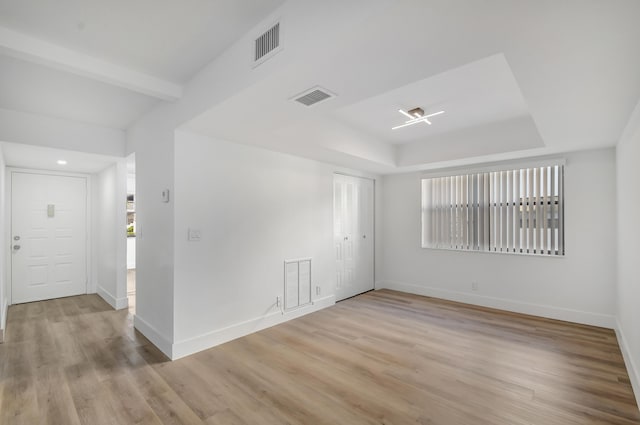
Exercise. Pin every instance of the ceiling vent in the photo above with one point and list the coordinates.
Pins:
(267, 45)
(313, 96)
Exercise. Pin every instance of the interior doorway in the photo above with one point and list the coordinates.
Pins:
(131, 232)
(353, 227)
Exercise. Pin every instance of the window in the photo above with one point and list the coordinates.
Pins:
(513, 211)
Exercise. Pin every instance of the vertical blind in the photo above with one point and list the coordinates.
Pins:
(516, 211)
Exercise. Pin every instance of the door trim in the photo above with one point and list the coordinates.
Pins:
(89, 284)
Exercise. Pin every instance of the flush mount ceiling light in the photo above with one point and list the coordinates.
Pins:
(62, 162)
(416, 115)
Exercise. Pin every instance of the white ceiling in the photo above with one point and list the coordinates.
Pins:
(513, 77)
(544, 76)
(165, 38)
(41, 158)
(108, 62)
(28, 87)
(478, 93)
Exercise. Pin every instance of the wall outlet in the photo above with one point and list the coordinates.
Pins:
(278, 301)
(474, 286)
(317, 289)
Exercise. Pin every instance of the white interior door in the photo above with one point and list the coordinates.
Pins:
(48, 236)
(353, 235)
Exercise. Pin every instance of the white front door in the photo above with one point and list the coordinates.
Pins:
(48, 236)
(353, 235)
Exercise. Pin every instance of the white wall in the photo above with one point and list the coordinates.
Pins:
(40, 130)
(579, 287)
(511, 135)
(131, 184)
(131, 252)
(152, 140)
(4, 278)
(628, 207)
(254, 208)
(109, 239)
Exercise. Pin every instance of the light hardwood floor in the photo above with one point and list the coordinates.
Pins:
(381, 358)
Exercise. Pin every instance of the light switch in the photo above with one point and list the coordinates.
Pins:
(51, 210)
(194, 235)
(165, 195)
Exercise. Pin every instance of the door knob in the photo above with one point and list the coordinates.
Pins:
(16, 247)
(364, 236)
(346, 238)
(16, 238)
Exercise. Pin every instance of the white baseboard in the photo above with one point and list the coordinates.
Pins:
(568, 315)
(211, 339)
(5, 311)
(117, 303)
(3, 319)
(153, 335)
(632, 369)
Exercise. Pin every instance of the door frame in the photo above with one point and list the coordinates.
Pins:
(89, 284)
(375, 207)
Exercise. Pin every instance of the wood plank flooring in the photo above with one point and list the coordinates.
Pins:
(381, 358)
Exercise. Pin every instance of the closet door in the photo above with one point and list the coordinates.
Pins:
(353, 235)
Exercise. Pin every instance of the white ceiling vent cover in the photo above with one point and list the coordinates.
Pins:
(267, 45)
(313, 96)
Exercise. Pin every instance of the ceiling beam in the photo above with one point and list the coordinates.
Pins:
(32, 49)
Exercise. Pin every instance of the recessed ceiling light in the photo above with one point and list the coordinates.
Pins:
(416, 115)
(62, 162)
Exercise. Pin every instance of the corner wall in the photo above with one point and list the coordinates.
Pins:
(579, 287)
(152, 137)
(4, 278)
(109, 213)
(628, 206)
(152, 140)
(254, 209)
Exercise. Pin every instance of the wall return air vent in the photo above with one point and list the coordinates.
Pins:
(267, 45)
(313, 96)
